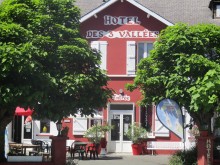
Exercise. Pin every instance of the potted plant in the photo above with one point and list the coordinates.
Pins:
(135, 133)
(96, 134)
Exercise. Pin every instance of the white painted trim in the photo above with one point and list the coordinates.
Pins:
(100, 8)
(133, 2)
(138, 5)
(121, 75)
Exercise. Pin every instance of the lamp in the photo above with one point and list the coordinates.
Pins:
(59, 126)
(121, 92)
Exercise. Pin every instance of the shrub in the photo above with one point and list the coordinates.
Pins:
(187, 157)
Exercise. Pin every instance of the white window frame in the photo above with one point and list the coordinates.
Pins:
(132, 55)
(145, 52)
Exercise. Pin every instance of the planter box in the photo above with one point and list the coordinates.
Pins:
(25, 158)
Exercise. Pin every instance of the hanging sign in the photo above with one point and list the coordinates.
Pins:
(170, 115)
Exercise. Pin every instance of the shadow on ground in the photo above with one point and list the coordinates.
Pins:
(107, 158)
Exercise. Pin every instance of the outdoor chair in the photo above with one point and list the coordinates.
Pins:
(93, 150)
(77, 148)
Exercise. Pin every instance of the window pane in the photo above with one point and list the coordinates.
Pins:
(140, 51)
(126, 123)
(121, 106)
(45, 126)
(28, 127)
(94, 121)
(149, 48)
(217, 10)
(115, 132)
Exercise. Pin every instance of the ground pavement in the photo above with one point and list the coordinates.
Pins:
(125, 159)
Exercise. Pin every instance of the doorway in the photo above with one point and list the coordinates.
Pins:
(120, 116)
(16, 131)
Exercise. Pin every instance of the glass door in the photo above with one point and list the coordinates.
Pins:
(120, 119)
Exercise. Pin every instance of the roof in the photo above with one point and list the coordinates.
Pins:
(172, 11)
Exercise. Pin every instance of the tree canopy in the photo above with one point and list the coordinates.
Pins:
(45, 63)
(185, 66)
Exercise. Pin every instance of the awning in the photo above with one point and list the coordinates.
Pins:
(21, 112)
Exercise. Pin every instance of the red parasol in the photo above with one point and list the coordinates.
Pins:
(21, 112)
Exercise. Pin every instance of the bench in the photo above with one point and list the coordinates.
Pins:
(164, 145)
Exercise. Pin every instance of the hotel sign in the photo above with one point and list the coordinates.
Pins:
(208, 147)
(121, 20)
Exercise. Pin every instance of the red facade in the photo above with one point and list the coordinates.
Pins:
(119, 32)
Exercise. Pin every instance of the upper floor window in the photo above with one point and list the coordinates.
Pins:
(101, 46)
(144, 49)
(135, 52)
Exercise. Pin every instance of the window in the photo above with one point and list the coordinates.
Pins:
(215, 7)
(150, 121)
(101, 46)
(27, 127)
(135, 52)
(94, 121)
(45, 126)
(143, 50)
(217, 13)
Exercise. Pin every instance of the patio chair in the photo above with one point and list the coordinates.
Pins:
(93, 150)
(78, 148)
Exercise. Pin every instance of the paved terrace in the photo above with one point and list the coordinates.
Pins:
(125, 159)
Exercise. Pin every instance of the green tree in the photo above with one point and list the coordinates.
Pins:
(45, 63)
(184, 66)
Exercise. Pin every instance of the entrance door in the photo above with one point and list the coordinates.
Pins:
(120, 119)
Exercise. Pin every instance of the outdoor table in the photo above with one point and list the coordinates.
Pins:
(23, 146)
